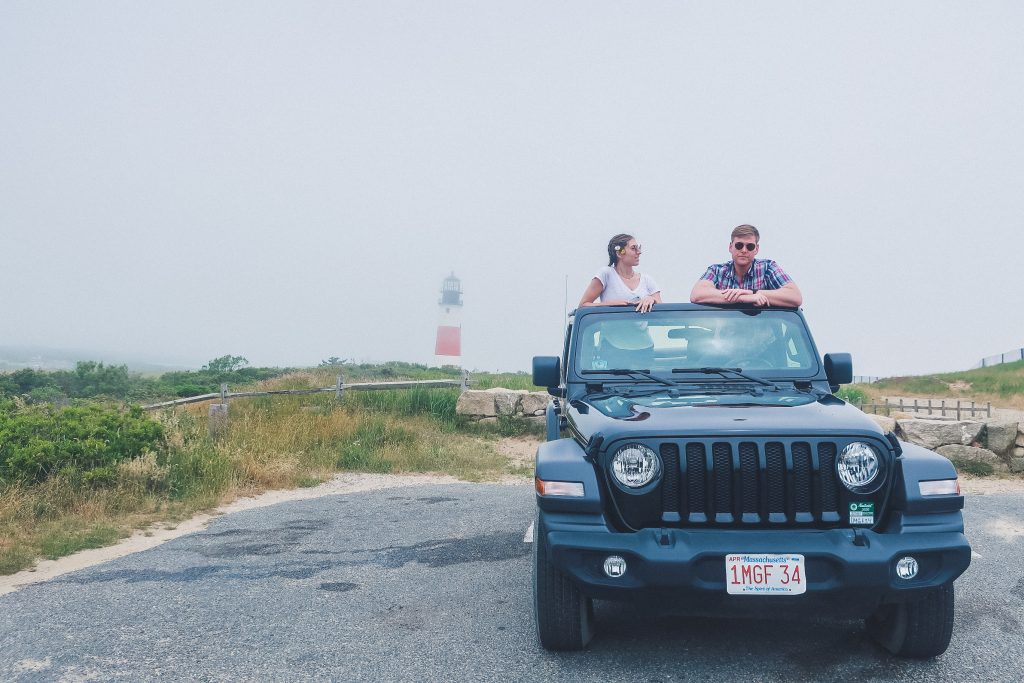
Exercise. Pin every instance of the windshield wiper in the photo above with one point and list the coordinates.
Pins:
(738, 372)
(627, 371)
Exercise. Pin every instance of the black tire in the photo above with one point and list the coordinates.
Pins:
(564, 616)
(920, 629)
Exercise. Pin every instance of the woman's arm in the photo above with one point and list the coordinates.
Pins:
(593, 291)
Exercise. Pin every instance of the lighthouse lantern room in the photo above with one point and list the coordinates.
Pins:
(448, 347)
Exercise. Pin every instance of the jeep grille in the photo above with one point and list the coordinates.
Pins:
(740, 483)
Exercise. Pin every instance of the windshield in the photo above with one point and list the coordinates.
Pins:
(763, 343)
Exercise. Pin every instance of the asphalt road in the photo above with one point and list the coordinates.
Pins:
(433, 583)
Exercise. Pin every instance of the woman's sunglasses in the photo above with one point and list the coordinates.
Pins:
(751, 246)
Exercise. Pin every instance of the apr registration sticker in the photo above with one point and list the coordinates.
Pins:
(862, 513)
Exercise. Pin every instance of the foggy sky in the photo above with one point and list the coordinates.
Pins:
(292, 181)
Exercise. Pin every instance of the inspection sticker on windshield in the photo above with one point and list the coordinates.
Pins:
(862, 513)
(762, 574)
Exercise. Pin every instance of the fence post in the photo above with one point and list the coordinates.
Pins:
(989, 404)
(464, 384)
(958, 410)
(901, 404)
(915, 407)
(929, 406)
(339, 387)
(943, 413)
(224, 393)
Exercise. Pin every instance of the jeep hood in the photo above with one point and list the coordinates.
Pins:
(665, 417)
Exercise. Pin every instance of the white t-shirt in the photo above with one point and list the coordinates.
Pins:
(616, 290)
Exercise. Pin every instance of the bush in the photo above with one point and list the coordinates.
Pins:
(79, 440)
(852, 395)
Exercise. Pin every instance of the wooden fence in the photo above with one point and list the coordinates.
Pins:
(339, 389)
(939, 406)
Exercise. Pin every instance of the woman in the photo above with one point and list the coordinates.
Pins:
(617, 284)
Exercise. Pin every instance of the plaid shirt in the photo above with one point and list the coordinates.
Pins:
(763, 274)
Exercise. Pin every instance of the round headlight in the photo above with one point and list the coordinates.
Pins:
(858, 465)
(635, 465)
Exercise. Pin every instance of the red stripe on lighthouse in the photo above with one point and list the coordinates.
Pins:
(449, 341)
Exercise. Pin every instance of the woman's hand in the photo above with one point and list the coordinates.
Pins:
(646, 303)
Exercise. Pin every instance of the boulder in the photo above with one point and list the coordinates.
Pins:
(934, 433)
(959, 452)
(476, 403)
(887, 424)
(506, 401)
(1018, 452)
(534, 403)
(1020, 435)
(539, 420)
(1017, 465)
(999, 436)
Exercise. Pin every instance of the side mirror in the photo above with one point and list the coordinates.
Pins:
(547, 371)
(838, 369)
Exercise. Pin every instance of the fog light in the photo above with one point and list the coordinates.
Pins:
(614, 566)
(906, 568)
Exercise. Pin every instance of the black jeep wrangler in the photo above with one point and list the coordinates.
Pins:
(708, 464)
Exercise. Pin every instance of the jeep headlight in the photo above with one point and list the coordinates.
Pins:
(635, 465)
(858, 465)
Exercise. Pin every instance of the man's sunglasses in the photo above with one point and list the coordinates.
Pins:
(751, 246)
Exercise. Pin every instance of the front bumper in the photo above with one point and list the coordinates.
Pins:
(851, 575)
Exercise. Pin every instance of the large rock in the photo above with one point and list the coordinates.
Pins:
(934, 433)
(1018, 452)
(534, 403)
(1000, 436)
(887, 424)
(506, 401)
(1017, 465)
(960, 452)
(1020, 435)
(476, 404)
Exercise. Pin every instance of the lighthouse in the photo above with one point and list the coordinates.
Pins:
(448, 347)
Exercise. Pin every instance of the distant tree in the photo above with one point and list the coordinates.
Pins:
(226, 364)
(333, 361)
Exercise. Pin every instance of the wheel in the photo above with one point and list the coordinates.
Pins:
(919, 629)
(564, 616)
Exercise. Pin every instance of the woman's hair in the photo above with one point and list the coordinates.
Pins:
(616, 245)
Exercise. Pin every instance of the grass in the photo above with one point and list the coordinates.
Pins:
(1003, 385)
(269, 443)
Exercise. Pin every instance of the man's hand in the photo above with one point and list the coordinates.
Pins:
(732, 296)
(759, 299)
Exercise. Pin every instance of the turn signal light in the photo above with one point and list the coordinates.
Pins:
(568, 489)
(940, 487)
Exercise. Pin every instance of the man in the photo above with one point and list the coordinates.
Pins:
(746, 279)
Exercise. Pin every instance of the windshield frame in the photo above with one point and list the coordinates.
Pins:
(580, 324)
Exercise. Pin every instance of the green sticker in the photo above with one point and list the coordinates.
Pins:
(862, 513)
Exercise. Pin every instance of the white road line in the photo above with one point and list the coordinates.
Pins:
(975, 556)
(528, 538)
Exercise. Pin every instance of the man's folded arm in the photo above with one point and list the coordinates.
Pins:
(788, 295)
(704, 292)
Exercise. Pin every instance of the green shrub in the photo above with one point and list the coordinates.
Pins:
(36, 442)
(852, 395)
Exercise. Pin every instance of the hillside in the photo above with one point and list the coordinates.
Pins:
(1003, 385)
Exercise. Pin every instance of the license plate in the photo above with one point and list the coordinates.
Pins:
(765, 574)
